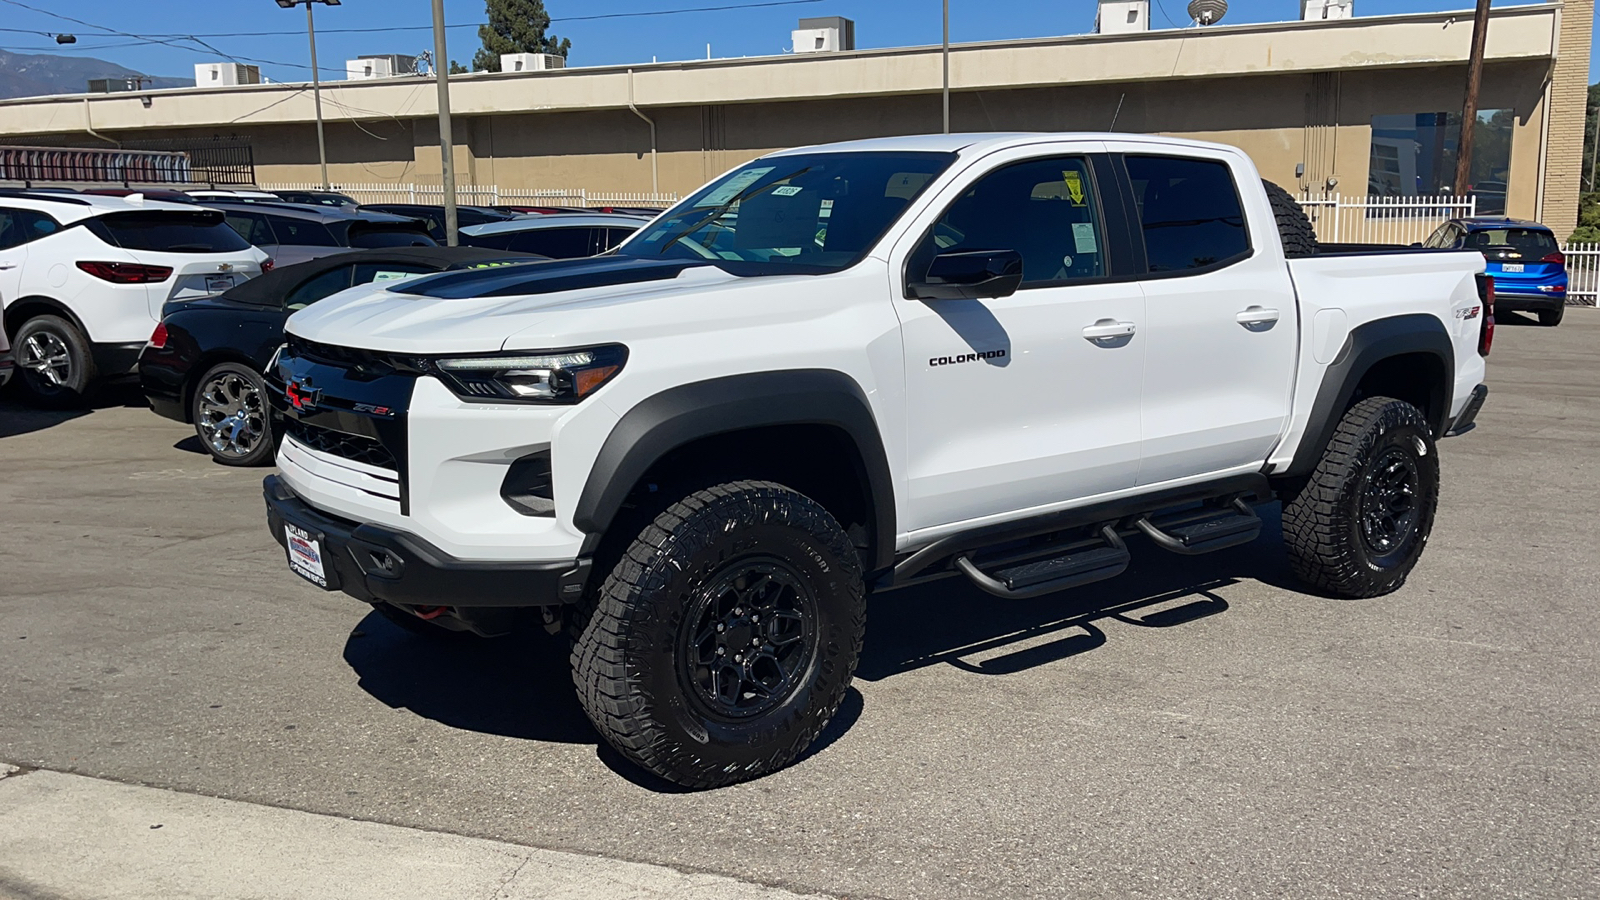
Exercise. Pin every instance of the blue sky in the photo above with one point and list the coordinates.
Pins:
(747, 32)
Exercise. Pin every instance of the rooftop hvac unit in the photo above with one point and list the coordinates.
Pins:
(386, 66)
(825, 34)
(1317, 10)
(531, 62)
(115, 85)
(1122, 16)
(225, 74)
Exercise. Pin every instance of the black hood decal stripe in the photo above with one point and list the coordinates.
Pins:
(546, 278)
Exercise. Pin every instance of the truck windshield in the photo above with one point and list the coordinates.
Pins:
(800, 214)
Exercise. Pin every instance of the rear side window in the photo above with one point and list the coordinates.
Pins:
(615, 236)
(325, 285)
(168, 232)
(556, 243)
(378, 238)
(19, 226)
(251, 227)
(302, 233)
(1190, 212)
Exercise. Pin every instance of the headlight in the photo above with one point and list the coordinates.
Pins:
(563, 377)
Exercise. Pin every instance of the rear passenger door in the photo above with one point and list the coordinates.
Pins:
(1221, 320)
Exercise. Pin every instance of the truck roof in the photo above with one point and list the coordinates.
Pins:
(987, 141)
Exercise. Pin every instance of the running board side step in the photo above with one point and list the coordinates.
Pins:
(1235, 525)
(1056, 573)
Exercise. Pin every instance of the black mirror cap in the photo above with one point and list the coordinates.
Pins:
(970, 275)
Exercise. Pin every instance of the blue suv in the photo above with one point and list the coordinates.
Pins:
(1529, 270)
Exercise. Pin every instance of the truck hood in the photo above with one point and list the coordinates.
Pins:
(477, 311)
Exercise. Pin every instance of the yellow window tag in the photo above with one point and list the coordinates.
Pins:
(1074, 182)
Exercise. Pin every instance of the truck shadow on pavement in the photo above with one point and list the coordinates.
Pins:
(521, 687)
(17, 418)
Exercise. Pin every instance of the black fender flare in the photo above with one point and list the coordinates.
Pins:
(666, 421)
(1367, 345)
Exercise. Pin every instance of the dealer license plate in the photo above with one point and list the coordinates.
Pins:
(216, 284)
(1511, 267)
(305, 555)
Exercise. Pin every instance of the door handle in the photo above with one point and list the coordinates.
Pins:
(1256, 315)
(1108, 328)
(7, 264)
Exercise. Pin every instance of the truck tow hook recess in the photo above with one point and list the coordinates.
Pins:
(430, 612)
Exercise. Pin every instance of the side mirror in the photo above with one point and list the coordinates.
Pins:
(970, 275)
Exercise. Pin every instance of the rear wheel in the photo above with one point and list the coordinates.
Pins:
(230, 416)
(1360, 523)
(54, 362)
(724, 639)
(1550, 318)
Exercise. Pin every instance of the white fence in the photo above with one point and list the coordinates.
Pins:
(485, 195)
(1583, 274)
(1382, 220)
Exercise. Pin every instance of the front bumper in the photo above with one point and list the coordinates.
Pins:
(1468, 419)
(376, 564)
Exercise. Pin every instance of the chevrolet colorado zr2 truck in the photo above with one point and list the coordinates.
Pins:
(851, 368)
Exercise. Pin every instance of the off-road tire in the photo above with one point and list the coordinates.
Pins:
(80, 382)
(1550, 318)
(634, 661)
(1323, 529)
(1294, 228)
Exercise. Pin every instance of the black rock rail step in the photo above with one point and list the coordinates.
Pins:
(1233, 525)
(1071, 569)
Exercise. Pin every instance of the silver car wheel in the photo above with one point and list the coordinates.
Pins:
(46, 355)
(231, 417)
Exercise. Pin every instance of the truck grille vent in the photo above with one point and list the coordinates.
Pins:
(337, 443)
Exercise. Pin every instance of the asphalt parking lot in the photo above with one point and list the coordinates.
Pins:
(1197, 728)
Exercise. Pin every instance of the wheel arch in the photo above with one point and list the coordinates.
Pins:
(742, 416)
(1409, 357)
(22, 309)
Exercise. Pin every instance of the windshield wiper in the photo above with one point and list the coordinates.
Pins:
(719, 210)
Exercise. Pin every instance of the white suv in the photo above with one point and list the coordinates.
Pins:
(83, 280)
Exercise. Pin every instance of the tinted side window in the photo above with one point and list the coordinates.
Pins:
(167, 232)
(19, 226)
(1189, 210)
(251, 227)
(367, 273)
(374, 238)
(1439, 238)
(486, 241)
(556, 243)
(301, 232)
(325, 285)
(614, 236)
(1045, 209)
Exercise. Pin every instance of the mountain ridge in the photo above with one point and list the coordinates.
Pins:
(42, 74)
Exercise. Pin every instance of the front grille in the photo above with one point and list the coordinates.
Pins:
(362, 362)
(337, 443)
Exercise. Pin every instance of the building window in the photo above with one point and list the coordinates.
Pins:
(1414, 155)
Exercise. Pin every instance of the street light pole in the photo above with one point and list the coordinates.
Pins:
(316, 94)
(946, 66)
(447, 153)
(316, 79)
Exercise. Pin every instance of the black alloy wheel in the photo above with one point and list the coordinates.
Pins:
(751, 637)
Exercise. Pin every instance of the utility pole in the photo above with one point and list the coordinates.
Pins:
(441, 72)
(946, 66)
(1469, 110)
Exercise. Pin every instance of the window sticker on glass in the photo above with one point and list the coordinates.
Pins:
(904, 185)
(393, 276)
(1074, 182)
(733, 187)
(826, 211)
(788, 190)
(1083, 237)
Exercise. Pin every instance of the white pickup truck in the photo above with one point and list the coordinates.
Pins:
(851, 368)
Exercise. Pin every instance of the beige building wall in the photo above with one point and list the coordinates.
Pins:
(1568, 98)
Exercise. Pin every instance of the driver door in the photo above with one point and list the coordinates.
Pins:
(1024, 402)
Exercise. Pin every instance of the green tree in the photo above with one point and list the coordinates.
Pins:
(457, 68)
(516, 26)
(1588, 231)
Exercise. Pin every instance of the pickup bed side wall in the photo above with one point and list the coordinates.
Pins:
(677, 416)
(1366, 346)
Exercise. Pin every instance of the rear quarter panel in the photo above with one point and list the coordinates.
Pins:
(1338, 294)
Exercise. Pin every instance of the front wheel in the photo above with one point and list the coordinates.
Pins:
(231, 417)
(54, 362)
(724, 639)
(1550, 318)
(1360, 523)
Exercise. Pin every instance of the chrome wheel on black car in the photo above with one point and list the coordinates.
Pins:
(725, 636)
(231, 418)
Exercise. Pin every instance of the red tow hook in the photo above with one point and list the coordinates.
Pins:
(431, 612)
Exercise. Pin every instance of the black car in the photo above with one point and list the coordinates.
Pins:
(203, 365)
(434, 215)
